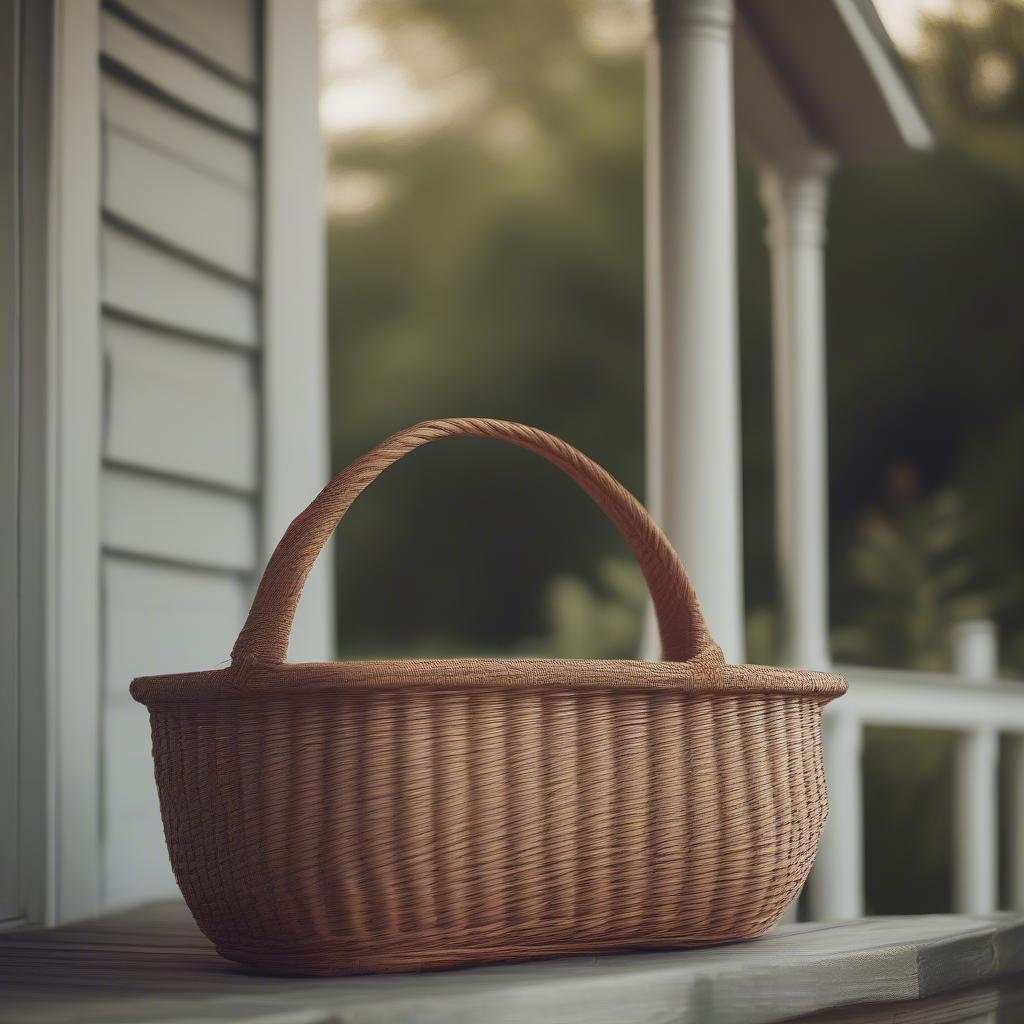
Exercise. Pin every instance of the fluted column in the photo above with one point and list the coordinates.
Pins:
(795, 200)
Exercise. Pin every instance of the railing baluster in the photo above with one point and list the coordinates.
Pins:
(976, 782)
(836, 886)
(976, 822)
(1016, 822)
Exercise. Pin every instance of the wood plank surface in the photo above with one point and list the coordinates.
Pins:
(152, 965)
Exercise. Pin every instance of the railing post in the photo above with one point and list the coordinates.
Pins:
(976, 782)
(692, 359)
(1016, 822)
(836, 886)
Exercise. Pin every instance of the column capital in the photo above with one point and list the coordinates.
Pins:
(795, 198)
(713, 17)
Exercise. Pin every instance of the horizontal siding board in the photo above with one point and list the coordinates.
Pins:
(220, 32)
(180, 136)
(173, 200)
(154, 285)
(177, 76)
(157, 619)
(162, 618)
(135, 862)
(129, 778)
(180, 407)
(136, 866)
(176, 522)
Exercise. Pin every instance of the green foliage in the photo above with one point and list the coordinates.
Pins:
(586, 621)
(915, 578)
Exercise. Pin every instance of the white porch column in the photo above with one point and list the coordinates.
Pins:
(976, 782)
(693, 385)
(795, 200)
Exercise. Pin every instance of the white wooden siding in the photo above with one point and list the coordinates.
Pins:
(135, 864)
(181, 407)
(157, 618)
(130, 51)
(164, 618)
(169, 192)
(221, 32)
(153, 285)
(181, 137)
(181, 489)
(166, 520)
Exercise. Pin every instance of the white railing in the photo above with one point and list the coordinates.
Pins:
(978, 707)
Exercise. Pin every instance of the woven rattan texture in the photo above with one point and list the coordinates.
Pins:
(374, 816)
(392, 830)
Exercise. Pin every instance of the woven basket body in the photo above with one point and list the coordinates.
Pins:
(371, 816)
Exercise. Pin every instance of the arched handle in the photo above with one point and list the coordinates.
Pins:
(264, 637)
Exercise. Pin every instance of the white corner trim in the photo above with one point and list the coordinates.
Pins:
(73, 454)
(902, 103)
(296, 431)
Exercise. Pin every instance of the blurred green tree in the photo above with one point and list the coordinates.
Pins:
(501, 277)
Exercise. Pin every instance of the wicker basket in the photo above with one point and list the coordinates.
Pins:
(395, 815)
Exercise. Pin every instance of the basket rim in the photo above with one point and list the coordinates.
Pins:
(282, 681)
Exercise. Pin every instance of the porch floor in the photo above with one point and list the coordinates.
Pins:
(153, 965)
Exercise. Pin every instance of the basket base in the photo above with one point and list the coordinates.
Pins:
(335, 959)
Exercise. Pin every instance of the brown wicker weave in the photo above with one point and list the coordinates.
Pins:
(395, 815)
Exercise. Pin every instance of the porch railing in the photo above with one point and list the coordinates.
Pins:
(978, 707)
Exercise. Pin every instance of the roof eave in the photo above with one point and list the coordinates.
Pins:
(880, 55)
(822, 75)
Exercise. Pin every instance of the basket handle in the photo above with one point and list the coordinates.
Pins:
(264, 637)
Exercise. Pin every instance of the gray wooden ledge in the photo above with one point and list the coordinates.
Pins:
(152, 965)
